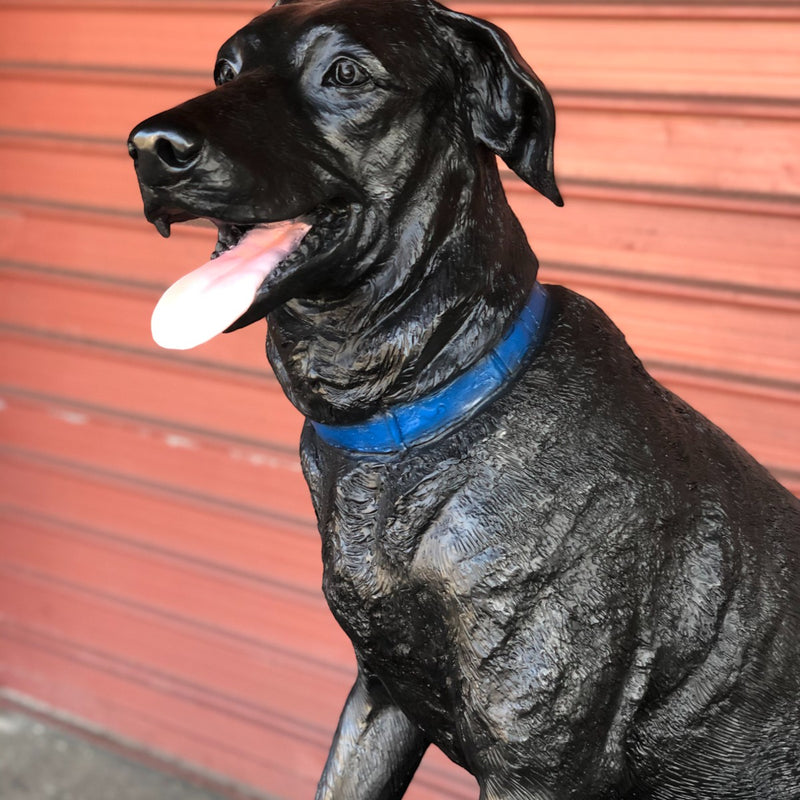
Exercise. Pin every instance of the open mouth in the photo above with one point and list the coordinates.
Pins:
(248, 263)
(228, 236)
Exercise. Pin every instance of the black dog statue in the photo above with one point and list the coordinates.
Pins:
(549, 566)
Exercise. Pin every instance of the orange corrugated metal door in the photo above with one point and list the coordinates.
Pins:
(159, 563)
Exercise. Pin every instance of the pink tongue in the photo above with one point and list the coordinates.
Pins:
(206, 301)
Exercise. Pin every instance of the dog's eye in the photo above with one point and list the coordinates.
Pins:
(346, 72)
(224, 71)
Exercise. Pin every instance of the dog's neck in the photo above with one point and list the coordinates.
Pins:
(418, 320)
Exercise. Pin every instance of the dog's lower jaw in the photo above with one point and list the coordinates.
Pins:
(341, 363)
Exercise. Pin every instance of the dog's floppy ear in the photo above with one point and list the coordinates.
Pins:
(511, 111)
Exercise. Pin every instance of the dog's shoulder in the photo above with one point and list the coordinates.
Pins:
(587, 448)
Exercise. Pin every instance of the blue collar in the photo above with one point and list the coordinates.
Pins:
(402, 426)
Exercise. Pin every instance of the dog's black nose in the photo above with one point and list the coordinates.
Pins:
(163, 153)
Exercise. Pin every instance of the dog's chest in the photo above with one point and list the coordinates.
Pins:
(374, 519)
(423, 572)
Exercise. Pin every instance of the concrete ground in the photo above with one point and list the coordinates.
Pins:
(41, 762)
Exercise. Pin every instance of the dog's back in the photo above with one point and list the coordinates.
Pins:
(611, 603)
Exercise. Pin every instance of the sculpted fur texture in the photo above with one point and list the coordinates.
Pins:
(549, 566)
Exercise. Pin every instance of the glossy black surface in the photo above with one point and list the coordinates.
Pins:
(586, 590)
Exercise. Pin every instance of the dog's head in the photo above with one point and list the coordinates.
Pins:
(339, 130)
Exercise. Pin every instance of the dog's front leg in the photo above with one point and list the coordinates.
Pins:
(376, 748)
